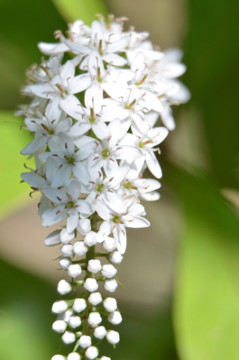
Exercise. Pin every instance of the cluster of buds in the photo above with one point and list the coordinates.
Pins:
(101, 105)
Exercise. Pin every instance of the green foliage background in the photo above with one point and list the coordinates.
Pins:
(202, 320)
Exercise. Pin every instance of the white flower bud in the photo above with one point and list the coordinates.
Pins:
(110, 304)
(115, 318)
(105, 358)
(113, 337)
(53, 239)
(64, 263)
(100, 332)
(110, 285)
(66, 237)
(94, 266)
(116, 257)
(74, 270)
(92, 352)
(67, 315)
(74, 321)
(67, 250)
(79, 305)
(90, 238)
(58, 357)
(63, 287)
(80, 248)
(84, 226)
(59, 307)
(73, 356)
(94, 319)
(95, 298)
(85, 341)
(110, 244)
(90, 284)
(108, 271)
(69, 337)
(59, 326)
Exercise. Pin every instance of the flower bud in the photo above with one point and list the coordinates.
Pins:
(63, 287)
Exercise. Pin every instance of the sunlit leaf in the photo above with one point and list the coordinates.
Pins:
(207, 291)
(80, 9)
(12, 140)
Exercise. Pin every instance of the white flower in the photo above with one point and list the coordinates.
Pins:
(59, 306)
(73, 356)
(63, 287)
(108, 270)
(79, 305)
(110, 285)
(94, 266)
(110, 304)
(59, 326)
(74, 321)
(116, 257)
(90, 284)
(113, 337)
(74, 270)
(94, 319)
(95, 298)
(85, 341)
(92, 352)
(58, 357)
(80, 248)
(64, 263)
(100, 332)
(115, 318)
(68, 337)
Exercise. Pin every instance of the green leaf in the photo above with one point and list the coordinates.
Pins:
(206, 313)
(72, 10)
(12, 142)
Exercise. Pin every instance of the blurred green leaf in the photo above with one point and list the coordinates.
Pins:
(23, 24)
(72, 10)
(207, 290)
(12, 142)
(211, 54)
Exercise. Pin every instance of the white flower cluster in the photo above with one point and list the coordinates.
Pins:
(95, 103)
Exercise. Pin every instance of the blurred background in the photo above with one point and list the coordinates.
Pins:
(180, 292)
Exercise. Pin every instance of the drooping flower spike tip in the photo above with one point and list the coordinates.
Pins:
(100, 106)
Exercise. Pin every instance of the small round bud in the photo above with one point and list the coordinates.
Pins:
(79, 305)
(100, 332)
(94, 319)
(67, 315)
(95, 298)
(115, 318)
(67, 250)
(108, 271)
(84, 226)
(59, 326)
(73, 356)
(92, 352)
(63, 287)
(59, 307)
(66, 237)
(113, 337)
(110, 304)
(116, 257)
(80, 248)
(58, 357)
(53, 239)
(74, 270)
(85, 341)
(74, 321)
(110, 244)
(69, 337)
(90, 238)
(94, 266)
(105, 358)
(91, 285)
(64, 263)
(110, 285)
